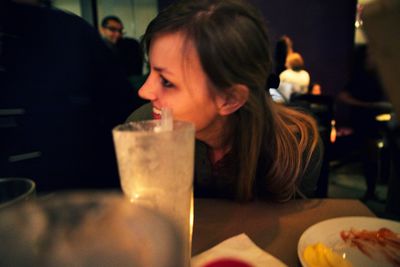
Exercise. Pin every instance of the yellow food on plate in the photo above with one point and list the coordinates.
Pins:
(319, 255)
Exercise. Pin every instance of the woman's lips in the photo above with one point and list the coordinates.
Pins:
(156, 113)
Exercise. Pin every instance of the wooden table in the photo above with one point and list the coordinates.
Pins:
(274, 227)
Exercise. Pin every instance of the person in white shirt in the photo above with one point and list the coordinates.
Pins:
(294, 79)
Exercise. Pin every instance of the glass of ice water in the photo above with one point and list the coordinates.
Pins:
(156, 170)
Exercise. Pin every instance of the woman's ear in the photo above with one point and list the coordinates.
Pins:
(232, 99)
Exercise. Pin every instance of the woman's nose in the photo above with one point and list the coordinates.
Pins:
(147, 90)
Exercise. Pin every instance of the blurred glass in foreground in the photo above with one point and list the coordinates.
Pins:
(86, 229)
(14, 190)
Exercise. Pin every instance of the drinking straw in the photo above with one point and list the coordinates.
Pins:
(166, 121)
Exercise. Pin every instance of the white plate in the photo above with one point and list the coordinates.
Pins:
(328, 233)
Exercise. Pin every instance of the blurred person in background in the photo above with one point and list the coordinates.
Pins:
(61, 95)
(295, 79)
(283, 48)
(366, 99)
(127, 51)
(111, 30)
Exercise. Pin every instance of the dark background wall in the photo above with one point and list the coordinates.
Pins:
(321, 30)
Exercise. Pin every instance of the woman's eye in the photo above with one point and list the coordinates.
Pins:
(166, 83)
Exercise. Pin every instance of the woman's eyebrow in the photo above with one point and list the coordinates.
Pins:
(162, 70)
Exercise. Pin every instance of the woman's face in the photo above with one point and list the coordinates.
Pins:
(177, 81)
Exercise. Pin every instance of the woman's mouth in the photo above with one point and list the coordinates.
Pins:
(156, 113)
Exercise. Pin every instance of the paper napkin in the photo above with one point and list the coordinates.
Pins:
(238, 247)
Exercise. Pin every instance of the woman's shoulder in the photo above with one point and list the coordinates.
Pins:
(142, 113)
(312, 172)
(305, 73)
(285, 73)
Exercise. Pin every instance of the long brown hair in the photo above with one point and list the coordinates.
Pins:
(268, 140)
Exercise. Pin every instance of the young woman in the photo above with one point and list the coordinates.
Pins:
(209, 63)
